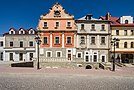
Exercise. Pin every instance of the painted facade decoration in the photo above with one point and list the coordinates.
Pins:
(93, 39)
(58, 33)
(123, 29)
(19, 45)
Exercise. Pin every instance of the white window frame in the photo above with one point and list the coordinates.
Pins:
(60, 53)
(47, 40)
(31, 31)
(101, 58)
(21, 31)
(67, 24)
(55, 24)
(55, 40)
(82, 40)
(11, 31)
(44, 24)
(79, 53)
(32, 42)
(71, 40)
(50, 53)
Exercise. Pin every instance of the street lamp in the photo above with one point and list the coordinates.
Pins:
(114, 44)
(38, 41)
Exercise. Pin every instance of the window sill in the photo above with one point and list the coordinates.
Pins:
(69, 27)
(68, 43)
(93, 30)
(45, 27)
(57, 44)
(93, 44)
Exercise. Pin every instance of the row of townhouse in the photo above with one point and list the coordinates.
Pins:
(65, 39)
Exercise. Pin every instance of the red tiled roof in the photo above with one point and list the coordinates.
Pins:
(115, 22)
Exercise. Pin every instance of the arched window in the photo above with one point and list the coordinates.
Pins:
(132, 44)
(125, 44)
(126, 21)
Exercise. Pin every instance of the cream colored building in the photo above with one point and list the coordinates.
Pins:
(123, 29)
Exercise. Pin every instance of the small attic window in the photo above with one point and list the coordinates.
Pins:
(21, 31)
(31, 32)
(12, 31)
(126, 21)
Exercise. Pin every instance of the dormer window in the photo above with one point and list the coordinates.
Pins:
(12, 31)
(126, 21)
(21, 31)
(31, 32)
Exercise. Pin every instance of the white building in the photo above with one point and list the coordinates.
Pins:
(93, 39)
(19, 45)
(1, 48)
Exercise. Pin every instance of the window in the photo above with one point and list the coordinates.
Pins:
(126, 21)
(68, 24)
(79, 55)
(82, 26)
(103, 58)
(117, 44)
(20, 56)
(48, 54)
(45, 40)
(21, 32)
(132, 44)
(57, 24)
(125, 32)
(93, 27)
(69, 40)
(11, 44)
(58, 54)
(45, 24)
(31, 43)
(57, 13)
(117, 32)
(125, 44)
(1, 56)
(103, 27)
(1, 43)
(31, 32)
(11, 56)
(12, 32)
(92, 40)
(103, 41)
(82, 40)
(30, 56)
(21, 44)
(57, 40)
(132, 32)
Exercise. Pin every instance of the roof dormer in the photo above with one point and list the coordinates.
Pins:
(12, 31)
(21, 31)
(126, 20)
(31, 31)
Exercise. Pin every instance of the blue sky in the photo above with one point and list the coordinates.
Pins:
(26, 13)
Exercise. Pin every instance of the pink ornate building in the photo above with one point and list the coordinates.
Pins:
(58, 33)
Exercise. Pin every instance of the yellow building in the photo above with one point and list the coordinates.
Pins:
(123, 29)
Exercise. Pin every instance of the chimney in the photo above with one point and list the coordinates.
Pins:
(88, 17)
(108, 16)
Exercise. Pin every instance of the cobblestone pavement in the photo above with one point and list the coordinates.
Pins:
(64, 82)
(12, 78)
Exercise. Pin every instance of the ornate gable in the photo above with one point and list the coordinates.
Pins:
(56, 12)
